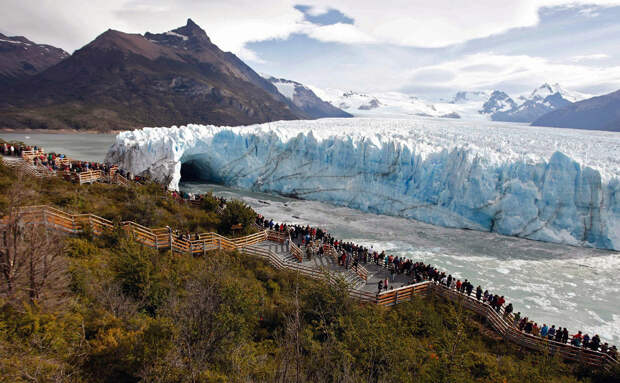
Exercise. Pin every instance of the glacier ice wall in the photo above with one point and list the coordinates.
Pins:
(509, 179)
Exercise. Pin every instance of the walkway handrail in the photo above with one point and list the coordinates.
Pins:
(508, 331)
(296, 251)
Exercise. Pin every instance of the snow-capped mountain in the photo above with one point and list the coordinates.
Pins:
(386, 104)
(542, 100)
(499, 103)
(596, 113)
(305, 99)
(464, 97)
(21, 58)
(495, 105)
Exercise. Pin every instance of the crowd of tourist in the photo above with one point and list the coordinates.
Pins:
(58, 162)
(350, 255)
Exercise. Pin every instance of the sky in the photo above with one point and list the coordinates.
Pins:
(423, 48)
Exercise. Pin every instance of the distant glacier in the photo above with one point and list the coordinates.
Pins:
(545, 184)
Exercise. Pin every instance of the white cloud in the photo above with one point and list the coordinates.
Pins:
(596, 56)
(488, 70)
(340, 33)
(589, 12)
(233, 23)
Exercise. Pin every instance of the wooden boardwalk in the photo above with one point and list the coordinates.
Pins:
(283, 254)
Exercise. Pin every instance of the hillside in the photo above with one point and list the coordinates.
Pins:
(115, 311)
(21, 58)
(305, 99)
(597, 113)
(123, 81)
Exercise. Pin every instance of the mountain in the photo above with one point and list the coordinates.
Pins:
(123, 81)
(20, 57)
(385, 104)
(498, 104)
(305, 99)
(463, 97)
(596, 113)
(542, 100)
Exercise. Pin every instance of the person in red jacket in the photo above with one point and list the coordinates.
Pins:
(500, 303)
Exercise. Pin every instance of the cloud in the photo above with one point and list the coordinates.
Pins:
(589, 12)
(597, 56)
(514, 72)
(339, 33)
(233, 23)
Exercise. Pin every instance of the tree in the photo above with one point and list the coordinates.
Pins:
(31, 256)
(235, 213)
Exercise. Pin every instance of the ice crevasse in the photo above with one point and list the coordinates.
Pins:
(540, 183)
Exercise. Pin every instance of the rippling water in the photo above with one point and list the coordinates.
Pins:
(552, 283)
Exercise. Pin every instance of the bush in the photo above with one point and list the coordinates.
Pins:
(237, 213)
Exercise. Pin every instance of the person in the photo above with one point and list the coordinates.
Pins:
(565, 335)
(478, 293)
(586, 341)
(380, 285)
(517, 317)
(385, 284)
(577, 339)
(529, 326)
(613, 352)
(558, 335)
(458, 285)
(551, 333)
(508, 310)
(595, 342)
(604, 348)
(499, 303)
(544, 330)
(535, 329)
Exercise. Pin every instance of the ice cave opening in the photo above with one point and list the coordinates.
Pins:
(199, 170)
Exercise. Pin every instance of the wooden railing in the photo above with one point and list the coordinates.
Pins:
(160, 238)
(30, 154)
(28, 168)
(296, 251)
(89, 176)
(505, 328)
(403, 294)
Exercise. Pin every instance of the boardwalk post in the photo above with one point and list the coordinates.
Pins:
(204, 248)
(170, 239)
(45, 217)
(396, 298)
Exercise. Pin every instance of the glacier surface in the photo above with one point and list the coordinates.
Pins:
(546, 184)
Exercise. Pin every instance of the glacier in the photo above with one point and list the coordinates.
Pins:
(547, 184)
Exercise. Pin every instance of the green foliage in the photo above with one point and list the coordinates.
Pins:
(237, 213)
